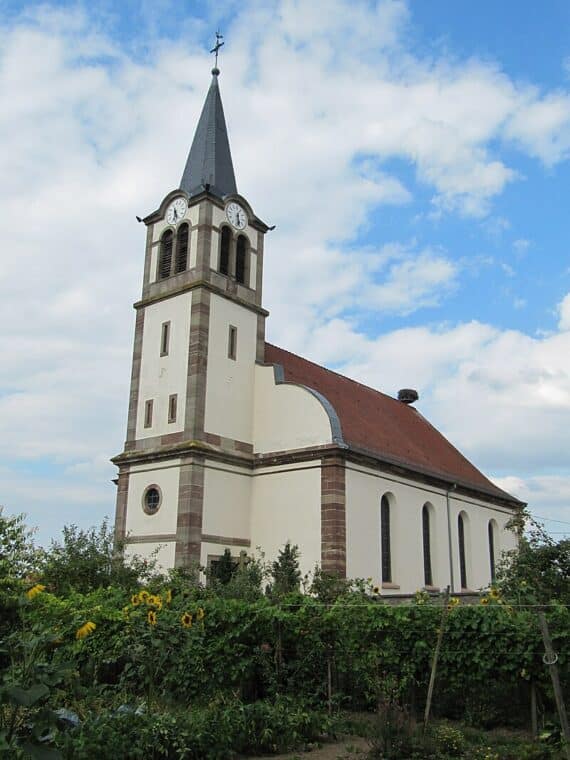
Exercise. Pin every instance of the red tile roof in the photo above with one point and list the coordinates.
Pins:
(384, 427)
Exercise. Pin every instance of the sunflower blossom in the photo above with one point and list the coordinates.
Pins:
(144, 595)
(85, 630)
(168, 596)
(151, 617)
(200, 614)
(154, 601)
(35, 590)
(135, 600)
(186, 620)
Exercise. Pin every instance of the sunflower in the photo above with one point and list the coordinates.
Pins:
(144, 595)
(35, 590)
(186, 620)
(484, 600)
(494, 593)
(168, 596)
(200, 614)
(155, 601)
(376, 590)
(135, 600)
(453, 602)
(151, 617)
(85, 630)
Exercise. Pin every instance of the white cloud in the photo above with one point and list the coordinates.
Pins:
(564, 313)
(317, 107)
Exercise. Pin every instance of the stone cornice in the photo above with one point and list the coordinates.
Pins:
(200, 284)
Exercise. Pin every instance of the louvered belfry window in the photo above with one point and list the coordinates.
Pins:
(428, 577)
(225, 250)
(492, 550)
(385, 540)
(462, 562)
(165, 261)
(241, 258)
(181, 248)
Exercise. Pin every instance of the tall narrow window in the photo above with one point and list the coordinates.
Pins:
(172, 404)
(232, 342)
(428, 577)
(164, 338)
(148, 413)
(225, 250)
(181, 249)
(462, 559)
(385, 540)
(491, 532)
(165, 261)
(241, 259)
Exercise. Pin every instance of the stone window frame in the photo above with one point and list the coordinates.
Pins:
(385, 540)
(463, 549)
(146, 509)
(166, 248)
(492, 534)
(165, 338)
(426, 544)
(172, 407)
(181, 254)
(245, 251)
(232, 342)
(148, 412)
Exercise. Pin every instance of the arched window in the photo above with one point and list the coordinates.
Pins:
(385, 540)
(428, 577)
(181, 249)
(492, 548)
(241, 259)
(462, 557)
(165, 261)
(225, 250)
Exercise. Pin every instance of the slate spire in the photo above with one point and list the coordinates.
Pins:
(210, 160)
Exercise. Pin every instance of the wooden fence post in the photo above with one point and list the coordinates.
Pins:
(550, 659)
(442, 622)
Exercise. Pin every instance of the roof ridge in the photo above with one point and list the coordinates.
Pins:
(339, 374)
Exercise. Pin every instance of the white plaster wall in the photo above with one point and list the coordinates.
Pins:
(163, 375)
(476, 540)
(252, 270)
(214, 249)
(286, 506)
(164, 553)
(230, 383)
(364, 490)
(227, 500)
(138, 523)
(286, 416)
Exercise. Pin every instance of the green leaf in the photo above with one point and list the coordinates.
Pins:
(27, 697)
(37, 752)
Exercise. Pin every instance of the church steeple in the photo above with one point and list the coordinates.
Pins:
(210, 160)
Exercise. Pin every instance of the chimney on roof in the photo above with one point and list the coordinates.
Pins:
(407, 395)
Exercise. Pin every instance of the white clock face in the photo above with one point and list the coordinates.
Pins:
(175, 212)
(236, 216)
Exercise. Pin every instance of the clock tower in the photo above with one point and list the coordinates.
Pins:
(199, 332)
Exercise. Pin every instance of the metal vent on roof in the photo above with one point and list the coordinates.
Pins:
(407, 395)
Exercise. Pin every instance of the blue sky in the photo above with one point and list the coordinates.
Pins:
(414, 157)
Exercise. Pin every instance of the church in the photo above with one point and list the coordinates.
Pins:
(233, 442)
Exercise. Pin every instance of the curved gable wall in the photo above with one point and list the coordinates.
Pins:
(288, 416)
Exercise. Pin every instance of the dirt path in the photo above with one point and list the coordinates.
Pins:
(350, 748)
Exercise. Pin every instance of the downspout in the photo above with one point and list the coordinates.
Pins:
(449, 542)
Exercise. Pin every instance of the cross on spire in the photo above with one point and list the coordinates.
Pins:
(216, 50)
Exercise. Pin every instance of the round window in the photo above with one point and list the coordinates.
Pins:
(152, 498)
